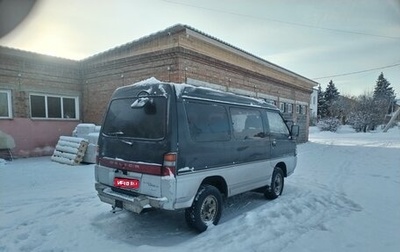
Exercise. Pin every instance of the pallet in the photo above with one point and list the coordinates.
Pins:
(70, 150)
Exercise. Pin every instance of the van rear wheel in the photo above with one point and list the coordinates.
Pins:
(277, 183)
(206, 208)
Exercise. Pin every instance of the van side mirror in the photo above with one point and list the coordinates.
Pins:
(294, 130)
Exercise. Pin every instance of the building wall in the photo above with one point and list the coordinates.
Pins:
(101, 79)
(178, 54)
(23, 74)
(184, 56)
(35, 137)
(314, 104)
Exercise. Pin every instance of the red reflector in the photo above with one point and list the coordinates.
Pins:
(126, 183)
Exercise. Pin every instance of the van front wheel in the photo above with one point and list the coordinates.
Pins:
(206, 208)
(277, 183)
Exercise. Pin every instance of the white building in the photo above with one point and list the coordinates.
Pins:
(314, 103)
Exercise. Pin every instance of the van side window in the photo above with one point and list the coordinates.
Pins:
(276, 123)
(207, 122)
(247, 123)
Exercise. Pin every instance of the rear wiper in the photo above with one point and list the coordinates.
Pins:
(116, 133)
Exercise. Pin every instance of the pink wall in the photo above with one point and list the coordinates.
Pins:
(36, 137)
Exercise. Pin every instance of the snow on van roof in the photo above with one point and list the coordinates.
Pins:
(183, 88)
(151, 80)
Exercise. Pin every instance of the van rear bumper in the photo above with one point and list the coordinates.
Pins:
(124, 201)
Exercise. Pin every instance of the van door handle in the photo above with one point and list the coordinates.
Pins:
(274, 142)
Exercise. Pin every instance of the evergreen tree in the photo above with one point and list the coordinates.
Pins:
(322, 108)
(383, 98)
(383, 89)
(331, 96)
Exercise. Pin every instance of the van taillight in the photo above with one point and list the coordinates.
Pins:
(169, 164)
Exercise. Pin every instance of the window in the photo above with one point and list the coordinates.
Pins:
(298, 109)
(5, 104)
(54, 107)
(143, 118)
(276, 123)
(304, 109)
(290, 108)
(207, 122)
(247, 123)
(282, 107)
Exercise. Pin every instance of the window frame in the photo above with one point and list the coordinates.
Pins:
(61, 97)
(9, 104)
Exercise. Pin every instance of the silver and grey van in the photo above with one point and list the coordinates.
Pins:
(176, 146)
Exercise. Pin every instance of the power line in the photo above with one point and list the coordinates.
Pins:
(282, 21)
(357, 72)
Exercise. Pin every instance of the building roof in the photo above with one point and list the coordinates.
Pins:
(31, 55)
(169, 31)
(194, 32)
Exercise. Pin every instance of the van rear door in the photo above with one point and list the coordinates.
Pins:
(133, 138)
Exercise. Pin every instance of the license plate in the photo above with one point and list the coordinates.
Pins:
(126, 183)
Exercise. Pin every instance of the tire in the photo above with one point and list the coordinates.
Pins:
(277, 183)
(206, 209)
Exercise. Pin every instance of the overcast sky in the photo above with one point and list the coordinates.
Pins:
(314, 38)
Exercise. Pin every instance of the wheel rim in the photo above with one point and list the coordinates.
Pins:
(209, 209)
(278, 183)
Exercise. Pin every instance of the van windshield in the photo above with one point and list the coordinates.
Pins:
(136, 118)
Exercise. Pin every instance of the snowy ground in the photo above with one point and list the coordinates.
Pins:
(343, 196)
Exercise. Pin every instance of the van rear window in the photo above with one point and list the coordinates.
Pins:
(137, 118)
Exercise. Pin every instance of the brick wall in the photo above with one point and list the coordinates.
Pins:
(181, 55)
(24, 73)
(176, 55)
(101, 79)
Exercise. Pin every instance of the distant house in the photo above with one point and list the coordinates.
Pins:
(314, 104)
(43, 97)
